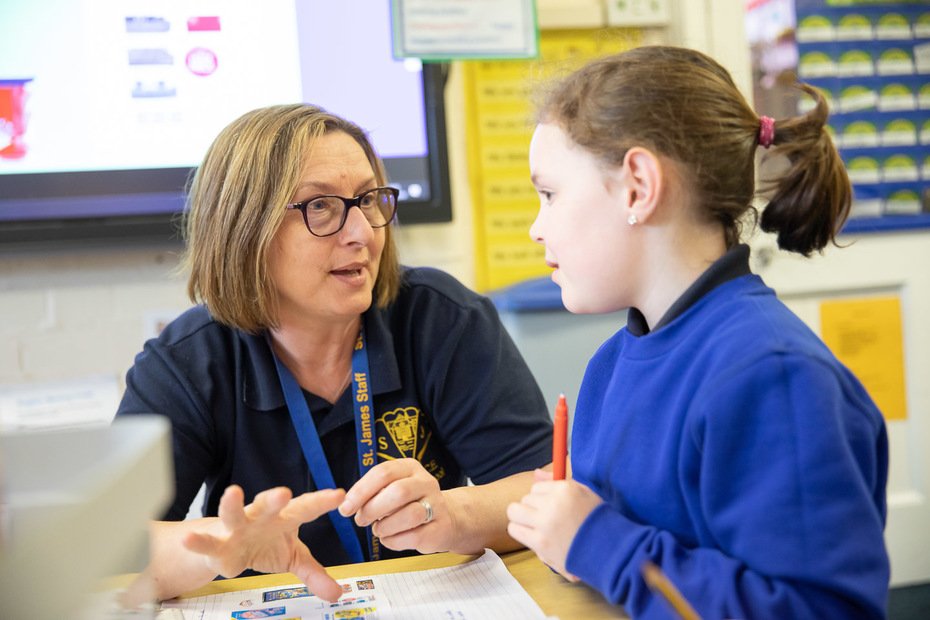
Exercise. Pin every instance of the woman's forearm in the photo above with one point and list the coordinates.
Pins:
(172, 568)
(480, 513)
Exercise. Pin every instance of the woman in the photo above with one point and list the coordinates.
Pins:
(317, 362)
(715, 436)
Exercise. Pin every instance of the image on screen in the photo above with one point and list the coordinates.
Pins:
(107, 105)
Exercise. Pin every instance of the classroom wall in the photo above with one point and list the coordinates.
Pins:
(70, 313)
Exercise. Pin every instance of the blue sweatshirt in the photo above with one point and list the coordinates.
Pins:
(734, 451)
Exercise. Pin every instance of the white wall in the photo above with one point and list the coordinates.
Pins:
(70, 313)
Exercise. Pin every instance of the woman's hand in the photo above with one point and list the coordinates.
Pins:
(391, 498)
(548, 517)
(263, 536)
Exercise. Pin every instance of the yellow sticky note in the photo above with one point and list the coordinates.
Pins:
(866, 335)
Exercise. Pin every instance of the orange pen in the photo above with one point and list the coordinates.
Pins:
(560, 439)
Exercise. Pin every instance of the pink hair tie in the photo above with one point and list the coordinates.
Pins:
(766, 131)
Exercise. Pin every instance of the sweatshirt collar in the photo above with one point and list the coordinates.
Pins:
(733, 264)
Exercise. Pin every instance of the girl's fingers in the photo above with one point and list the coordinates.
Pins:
(541, 475)
(521, 513)
(524, 535)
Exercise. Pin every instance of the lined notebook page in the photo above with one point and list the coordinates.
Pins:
(480, 589)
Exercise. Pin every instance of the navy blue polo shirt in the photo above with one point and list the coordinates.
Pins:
(448, 384)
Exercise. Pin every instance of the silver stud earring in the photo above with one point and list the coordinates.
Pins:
(632, 219)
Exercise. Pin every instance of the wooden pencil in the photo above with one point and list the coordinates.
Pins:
(659, 583)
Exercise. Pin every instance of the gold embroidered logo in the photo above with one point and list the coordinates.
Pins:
(401, 425)
(402, 434)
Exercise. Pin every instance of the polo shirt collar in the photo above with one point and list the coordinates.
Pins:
(261, 389)
(733, 264)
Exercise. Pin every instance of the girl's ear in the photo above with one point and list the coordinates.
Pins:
(643, 182)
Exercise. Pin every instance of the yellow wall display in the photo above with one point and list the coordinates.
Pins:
(500, 112)
(866, 335)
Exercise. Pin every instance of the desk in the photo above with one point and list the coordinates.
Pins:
(555, 595)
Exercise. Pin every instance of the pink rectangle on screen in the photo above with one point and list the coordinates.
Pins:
(203, 23)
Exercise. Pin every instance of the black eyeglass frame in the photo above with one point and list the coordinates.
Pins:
(355, 201)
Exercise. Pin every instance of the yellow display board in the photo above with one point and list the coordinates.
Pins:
(866, 335)
(501, 101)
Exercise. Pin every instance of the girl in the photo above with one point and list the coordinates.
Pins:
(715, 435)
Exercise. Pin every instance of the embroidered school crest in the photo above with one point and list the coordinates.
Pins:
(401, 429)
(405, 433)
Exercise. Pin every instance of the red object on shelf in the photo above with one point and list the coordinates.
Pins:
(13, 117)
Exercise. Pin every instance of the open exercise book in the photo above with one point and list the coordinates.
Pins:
(480, 589)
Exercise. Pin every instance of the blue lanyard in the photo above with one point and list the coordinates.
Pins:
(313, 449)
(364, 423)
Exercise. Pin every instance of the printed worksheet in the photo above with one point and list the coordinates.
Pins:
(360, 599)
(477, 590)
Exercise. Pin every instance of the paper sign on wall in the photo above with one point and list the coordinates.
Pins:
(450, 29)
(866, 335)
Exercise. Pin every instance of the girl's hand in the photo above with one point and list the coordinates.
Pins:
(548, 517)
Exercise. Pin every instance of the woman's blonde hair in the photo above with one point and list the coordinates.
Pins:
(236, 204)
